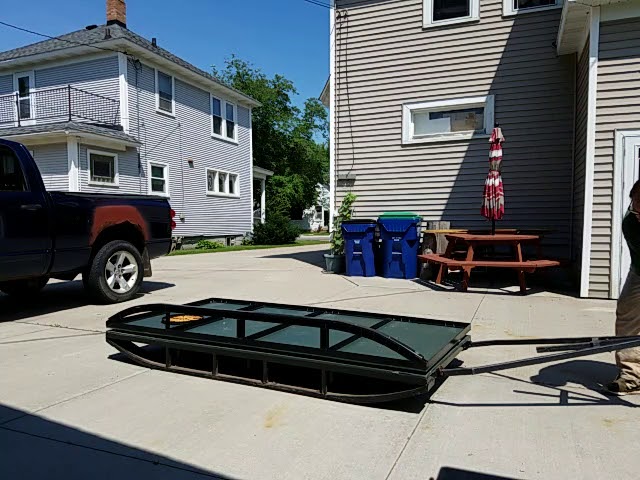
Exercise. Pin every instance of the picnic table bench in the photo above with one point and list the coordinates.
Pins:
(471, 244)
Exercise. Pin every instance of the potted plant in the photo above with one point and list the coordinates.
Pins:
(335, 260)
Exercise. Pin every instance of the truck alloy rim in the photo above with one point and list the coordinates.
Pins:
(121, 272)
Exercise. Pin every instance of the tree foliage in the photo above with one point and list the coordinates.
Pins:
(290, 141)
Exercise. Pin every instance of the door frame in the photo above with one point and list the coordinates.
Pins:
(32, 90)
(625, 171)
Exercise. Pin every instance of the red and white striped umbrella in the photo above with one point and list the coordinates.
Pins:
(493, 201)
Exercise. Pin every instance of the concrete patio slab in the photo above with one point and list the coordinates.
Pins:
(242, 431)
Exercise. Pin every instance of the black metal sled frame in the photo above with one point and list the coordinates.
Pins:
(331, 350)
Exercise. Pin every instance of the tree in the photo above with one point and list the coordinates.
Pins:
(287, 140)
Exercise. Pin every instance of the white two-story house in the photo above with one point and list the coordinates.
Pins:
(104, 110)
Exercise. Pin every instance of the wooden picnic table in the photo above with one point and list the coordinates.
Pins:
(471, 244)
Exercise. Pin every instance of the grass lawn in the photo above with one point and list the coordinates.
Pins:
(313, 234)
(236, 248)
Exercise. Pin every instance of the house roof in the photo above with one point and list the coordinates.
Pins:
(71, 127)
(110, 37)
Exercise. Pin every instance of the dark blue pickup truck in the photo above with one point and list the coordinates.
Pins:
(108, 239)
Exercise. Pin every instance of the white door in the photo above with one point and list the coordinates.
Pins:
(628, 146)
(24, 85)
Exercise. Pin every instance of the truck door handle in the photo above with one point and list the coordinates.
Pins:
(32, 207)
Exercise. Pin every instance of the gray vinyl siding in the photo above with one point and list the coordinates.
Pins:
(52, 161)
(98, 76)
(6, 84)
(385, 58)
(582, 112)
(618, 107)
(131, 181)
(185, 144)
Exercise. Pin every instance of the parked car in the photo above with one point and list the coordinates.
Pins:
(108, 239)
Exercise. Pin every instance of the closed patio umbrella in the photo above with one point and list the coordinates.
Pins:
(493, 201)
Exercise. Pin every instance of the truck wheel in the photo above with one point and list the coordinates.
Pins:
(115, 273)
(24, 288)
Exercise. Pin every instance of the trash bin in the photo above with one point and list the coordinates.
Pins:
(358, 247)
(400, 240)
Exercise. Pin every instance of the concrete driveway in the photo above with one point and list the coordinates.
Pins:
(69, 411)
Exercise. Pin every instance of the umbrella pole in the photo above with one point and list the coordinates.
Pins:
(493, 226)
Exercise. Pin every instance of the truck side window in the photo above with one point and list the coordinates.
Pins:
(11, 176)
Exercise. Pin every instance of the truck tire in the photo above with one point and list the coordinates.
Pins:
(115, 273)
(24, 288)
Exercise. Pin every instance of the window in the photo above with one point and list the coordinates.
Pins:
(24, 84)
(216, 112)
(231, 120)
(513, 7)
(11, 176)
(223, 119)
(158, 179)
(456, 119)
(103, 168)
(222, 183)
(165, 101)
(445, 12)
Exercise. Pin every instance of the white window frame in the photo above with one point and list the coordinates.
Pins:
(427, 15)
(508, 10)
(165, 167)
(172, 113)
(486, 101)
(216, 192)
(223, 113)
(32, 90)
(116, 176)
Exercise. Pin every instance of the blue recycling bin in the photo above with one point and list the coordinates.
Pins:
(358, 247)
(400, 240)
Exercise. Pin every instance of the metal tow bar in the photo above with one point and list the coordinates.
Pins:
(570, 348)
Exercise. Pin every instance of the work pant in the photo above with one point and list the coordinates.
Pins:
(628, 323)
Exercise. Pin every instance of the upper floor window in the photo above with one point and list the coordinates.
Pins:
(165, 93)
(103, 168)
(455, 119)
(512, 7)
(445, 12)
(223, 119)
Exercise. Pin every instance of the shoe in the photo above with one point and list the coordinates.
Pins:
(619, 387)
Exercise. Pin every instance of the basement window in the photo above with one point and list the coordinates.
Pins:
(446, 12)
(513, 7)
(454, 119)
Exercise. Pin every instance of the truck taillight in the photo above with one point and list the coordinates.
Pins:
(172, 212)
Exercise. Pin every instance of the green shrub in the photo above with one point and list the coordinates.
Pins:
(277, 230)
(344, 214)
(208, 245)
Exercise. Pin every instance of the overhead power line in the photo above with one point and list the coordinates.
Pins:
(26, 30)
(318, 3)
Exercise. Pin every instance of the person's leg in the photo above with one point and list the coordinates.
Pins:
(628, 324)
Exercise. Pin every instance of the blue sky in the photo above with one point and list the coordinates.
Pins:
(289, 37)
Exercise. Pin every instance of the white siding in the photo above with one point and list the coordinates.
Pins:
(187, 137)
(618, 106)
(131, 180)
(385, 58)
(52, 161)
(582, 95)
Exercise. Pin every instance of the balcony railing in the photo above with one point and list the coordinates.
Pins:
(64, 104)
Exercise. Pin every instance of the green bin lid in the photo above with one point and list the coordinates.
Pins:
(399, 215)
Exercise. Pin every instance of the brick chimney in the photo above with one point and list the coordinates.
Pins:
(117, 13)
